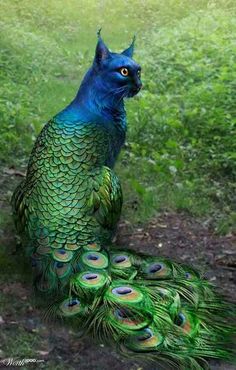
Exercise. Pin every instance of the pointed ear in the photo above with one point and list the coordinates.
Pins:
(102, 51)
(130, 50)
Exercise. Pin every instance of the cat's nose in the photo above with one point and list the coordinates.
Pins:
(138, 85)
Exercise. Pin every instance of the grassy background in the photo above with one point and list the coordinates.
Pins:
(180, 152)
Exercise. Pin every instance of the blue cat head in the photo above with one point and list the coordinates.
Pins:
(117, 73)
(111, 78)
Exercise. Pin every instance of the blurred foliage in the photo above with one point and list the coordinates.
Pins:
(182, 133)
(181, 146)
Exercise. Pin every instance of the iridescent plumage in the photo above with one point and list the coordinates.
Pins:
(66, 212)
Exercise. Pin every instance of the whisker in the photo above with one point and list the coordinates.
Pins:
(115, 91)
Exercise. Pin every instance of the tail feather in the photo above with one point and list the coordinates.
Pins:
(160, 310)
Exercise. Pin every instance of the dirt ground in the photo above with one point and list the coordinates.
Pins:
(178, 236)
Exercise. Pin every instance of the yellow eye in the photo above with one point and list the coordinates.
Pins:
(124, 71)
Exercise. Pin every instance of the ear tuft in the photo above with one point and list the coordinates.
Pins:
(102, 52)
(99, 32)
(130, 50)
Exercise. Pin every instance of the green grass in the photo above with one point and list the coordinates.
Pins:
(181, 142)
(182, 134)
(180, 152)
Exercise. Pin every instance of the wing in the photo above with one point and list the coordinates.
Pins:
(106, 198)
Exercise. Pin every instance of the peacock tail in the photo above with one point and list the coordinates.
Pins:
(66, 212)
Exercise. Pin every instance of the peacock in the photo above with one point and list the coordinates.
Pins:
(66, 213)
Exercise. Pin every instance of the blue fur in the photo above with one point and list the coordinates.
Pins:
(101, 94)
(103, 88)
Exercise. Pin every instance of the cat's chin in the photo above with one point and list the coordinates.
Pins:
(133, 92)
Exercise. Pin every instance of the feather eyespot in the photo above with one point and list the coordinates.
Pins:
(90, 276)
(122, 314)
(180, 319)
(88, 280)
(92, 257)
(187, 323)
(95, 260)
(124, 71)
(120, 261)
(62, 255)
(126, 318)
(73, 303)
(146, 334)
(144, 340)
(61, 269)
(70, 306)
(124, 293)
(155, 268)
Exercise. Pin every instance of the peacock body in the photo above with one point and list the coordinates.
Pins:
(66, 212)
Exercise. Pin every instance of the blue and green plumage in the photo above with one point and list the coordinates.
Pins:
(66, 212)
